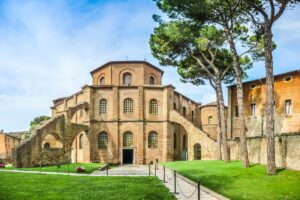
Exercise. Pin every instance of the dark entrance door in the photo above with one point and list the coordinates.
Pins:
(127, 156)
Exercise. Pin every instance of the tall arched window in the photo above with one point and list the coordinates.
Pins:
(102, 140)
(46, 145)
(153, 107)
(184, 111)
(153, 140)
(197, 152)
(193, 115)
(174, 106)
(128, 106)
(210, 120)
(102, 81)
(127, 139)
(81, 141)
(103, 105)
(175, 140)
(127, 79)
(152, 80)
(184, 142)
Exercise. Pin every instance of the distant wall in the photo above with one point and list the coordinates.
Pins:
(287, 150)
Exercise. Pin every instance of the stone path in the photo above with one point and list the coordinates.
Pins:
(125, 170)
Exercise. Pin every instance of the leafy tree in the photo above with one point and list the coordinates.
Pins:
(199, 54)
(227, 15)
(263, 14)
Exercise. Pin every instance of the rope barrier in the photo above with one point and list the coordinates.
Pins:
(169, 177)
(186, 196)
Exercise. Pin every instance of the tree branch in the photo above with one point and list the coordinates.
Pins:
(281, 10)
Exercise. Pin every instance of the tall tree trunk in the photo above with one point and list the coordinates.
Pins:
(219, 133)
(271, 166)
(220, 99)
(240, 100)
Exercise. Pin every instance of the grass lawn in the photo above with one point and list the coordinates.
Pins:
(89, 168)
(235, 182)
(18, 186)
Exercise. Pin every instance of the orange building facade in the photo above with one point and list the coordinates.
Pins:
(287, 119)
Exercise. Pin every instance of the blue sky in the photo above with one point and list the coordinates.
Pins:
(49, 47)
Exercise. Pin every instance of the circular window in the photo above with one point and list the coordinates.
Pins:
(287, 79)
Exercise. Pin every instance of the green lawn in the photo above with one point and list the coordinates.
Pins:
(235, 182)
(89, 168)
(19, 186)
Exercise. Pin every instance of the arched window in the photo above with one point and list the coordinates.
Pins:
(46, 145)
(184, 111)
(128, 106)
(210, 120)
(152, 80)
(127, 79)
(175, 140)
(193, 113)
(102, 140)
(103, 104)
(127, 139)
(174, 106)
(153, 140)
(184, 142)
(102, 81)
(153, 108)
(81, 141)
(197, 152)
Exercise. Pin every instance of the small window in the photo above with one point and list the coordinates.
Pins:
(81, 141)
(153, 108)
(127, 79)
(102, 81)
(287, 79)
(236, 111)
(102, 140)
(288, 107)
(210, 120)
(253, 109)
(174, 106)
(103, 104)
(128, 106)
(184, 111)
(152, 80)
(175, 140)
(152, 140)
(127, 139)
(253, 86)
(47, 146)
(193, 113)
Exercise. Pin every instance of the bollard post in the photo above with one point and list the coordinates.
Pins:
(155, 169)
(198, 190)
(107, 169)
(164, 174)
(175, 182)
(149, 169)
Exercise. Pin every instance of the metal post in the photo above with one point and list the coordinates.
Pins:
(175, 182)
(149, 169)
(198, 190)
(164, 174)
(107, 169)
(155, 169)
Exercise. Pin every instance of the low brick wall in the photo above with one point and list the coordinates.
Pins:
(287, 149)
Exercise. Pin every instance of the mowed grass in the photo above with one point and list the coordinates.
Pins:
(19, 186)
(89, 168)
(235, 182)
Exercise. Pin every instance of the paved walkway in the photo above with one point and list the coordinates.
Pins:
(125, 170)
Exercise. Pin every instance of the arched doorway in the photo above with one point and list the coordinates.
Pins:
(197, 151)
(80, 152)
